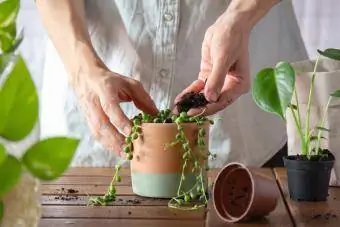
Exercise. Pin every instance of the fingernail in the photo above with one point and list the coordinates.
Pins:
(127, 130)
(212, 96)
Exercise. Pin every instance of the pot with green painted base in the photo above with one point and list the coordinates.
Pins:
(161, 159)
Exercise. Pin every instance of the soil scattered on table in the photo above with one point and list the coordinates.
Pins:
(191, 100)
(324, 216)
(67, 194)
(72, 191)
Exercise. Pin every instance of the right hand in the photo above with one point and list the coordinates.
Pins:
(99, 93)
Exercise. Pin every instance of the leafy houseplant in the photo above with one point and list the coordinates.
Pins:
(168, 156)
(43, 160)
(273, 91)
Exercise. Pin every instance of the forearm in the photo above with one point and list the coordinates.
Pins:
(247, 13)
(64, 21)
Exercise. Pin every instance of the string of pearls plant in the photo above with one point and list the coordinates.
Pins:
(192, 199)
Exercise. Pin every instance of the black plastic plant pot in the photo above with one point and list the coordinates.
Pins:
(308, 180)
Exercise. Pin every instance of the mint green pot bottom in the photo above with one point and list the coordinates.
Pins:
(161, 185)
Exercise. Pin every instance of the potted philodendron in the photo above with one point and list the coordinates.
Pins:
(168, 155)
(47, 159)
(273, 91)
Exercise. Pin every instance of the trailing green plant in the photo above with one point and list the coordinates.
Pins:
(46, 159)
(273, 91)
(191, 199)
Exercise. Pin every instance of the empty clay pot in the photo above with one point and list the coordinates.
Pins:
(240, 194)
(156, 171)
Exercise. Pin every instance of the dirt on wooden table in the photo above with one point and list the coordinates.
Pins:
(128, 209)
(310, 214)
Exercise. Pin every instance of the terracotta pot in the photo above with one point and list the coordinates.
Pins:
(156, 170)
(240, 194)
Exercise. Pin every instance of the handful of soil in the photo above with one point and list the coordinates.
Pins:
(191, 100)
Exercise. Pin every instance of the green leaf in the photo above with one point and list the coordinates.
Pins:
(335, 93)
(5, 60)
(19, 103)
(8, 12)
(2, 210)
(273, 88)
(10, 172)
(322, 129)
(330, 53)
(3, 153)
(49, 158)
(16, 43)
(6, 41)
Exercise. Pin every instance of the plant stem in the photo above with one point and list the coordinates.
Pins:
(322, 125)
(297, 107)
(309, 105)
(303, 143)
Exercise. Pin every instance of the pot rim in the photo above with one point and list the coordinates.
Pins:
(172, 123)
(232, 219)
(306, 161)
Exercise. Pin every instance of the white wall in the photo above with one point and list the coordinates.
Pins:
(319, 22)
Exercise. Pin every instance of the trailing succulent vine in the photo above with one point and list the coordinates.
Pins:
(196, 196)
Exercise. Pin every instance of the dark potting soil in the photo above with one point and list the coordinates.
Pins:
(323, 216)
(326, 156)
(191, 100)
(67, 194)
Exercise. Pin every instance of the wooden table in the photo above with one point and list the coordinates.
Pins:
(65, 204)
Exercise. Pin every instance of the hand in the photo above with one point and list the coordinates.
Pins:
(224, 71)
(100, 93)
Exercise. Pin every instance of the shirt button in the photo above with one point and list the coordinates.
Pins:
(167, 16)
(163, 72)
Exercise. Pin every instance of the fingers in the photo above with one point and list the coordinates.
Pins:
(141, 98)
(235, 84)
(110, 105)
(216, 79)
(102, 129)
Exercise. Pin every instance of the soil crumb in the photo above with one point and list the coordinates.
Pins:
(66, 195)
(324, 216)
(191, 100)
(72, 191)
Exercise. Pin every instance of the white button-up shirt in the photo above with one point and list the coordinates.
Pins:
(159, 44)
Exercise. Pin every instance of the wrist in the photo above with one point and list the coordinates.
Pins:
(246, 14)
(86, 59)
(84, 65)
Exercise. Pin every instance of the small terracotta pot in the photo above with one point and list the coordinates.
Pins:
(156, 170)
(240, 194)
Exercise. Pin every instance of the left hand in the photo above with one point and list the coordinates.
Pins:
(224, 71)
